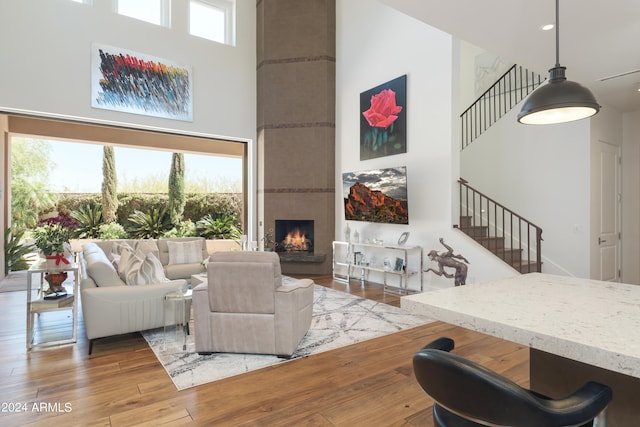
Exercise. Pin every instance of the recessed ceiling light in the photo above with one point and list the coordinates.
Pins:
(547, 27)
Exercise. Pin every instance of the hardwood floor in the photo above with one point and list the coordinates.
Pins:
(123, 384)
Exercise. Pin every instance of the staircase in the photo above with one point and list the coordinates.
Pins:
(504, 233)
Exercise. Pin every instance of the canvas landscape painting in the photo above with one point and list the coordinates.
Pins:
(377, 195)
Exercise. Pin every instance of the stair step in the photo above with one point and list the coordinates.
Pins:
(465, 221)
(491, 242)
(509, 255)
(525, 267)
(476, 231)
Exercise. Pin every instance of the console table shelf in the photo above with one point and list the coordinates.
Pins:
(402, 262)
(37, 304)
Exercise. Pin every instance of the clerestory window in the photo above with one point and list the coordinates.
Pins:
(213, 20)
(153, 11)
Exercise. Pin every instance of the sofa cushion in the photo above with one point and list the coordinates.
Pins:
(183, 271)
(189, 252)
(144, 270)
(99, 267)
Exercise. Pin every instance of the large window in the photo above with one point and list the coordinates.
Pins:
(213, 20)
(153, 11)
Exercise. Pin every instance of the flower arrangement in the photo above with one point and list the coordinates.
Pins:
(52, 235)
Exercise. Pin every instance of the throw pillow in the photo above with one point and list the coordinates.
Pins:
(144, 270)
(148, 245)
(127, 258)
(185, 252)
(116, 251)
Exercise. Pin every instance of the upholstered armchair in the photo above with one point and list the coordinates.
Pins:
(244, 307)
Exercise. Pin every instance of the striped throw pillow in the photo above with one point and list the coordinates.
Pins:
(144, 271)
(185, 252)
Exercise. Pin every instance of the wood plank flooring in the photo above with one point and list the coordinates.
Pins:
(123, 384)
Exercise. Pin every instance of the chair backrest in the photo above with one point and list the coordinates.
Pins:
(476, 393)
(243, 282)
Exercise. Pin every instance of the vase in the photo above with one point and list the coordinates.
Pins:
(55, 281)
(54, 261)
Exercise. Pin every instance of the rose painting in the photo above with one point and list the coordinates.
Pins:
(383, 120)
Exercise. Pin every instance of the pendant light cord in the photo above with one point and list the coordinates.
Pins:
(557, 33)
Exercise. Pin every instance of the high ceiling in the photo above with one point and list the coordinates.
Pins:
(598, 39)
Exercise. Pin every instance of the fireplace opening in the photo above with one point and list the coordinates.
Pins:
(294, 236)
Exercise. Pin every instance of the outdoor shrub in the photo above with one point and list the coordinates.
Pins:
(89, 219)
(111, 231)
(183, 229)
(223, 227)
(129, 203)
(197, 206)
(150, 225)
(69, 202)
(216, 204)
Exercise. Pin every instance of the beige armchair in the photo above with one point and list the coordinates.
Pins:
(244, 307)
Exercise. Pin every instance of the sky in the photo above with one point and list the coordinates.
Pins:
(78, 166)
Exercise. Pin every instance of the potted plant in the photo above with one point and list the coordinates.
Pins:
(52, 238)
(268, 240)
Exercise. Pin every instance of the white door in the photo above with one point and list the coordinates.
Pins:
(608, 238)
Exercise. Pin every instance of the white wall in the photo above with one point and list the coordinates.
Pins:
(631, 197)
(542, 173)
(46, 44)
(373, 48)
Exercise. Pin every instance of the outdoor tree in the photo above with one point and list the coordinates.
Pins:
(30, 169)
(177, 197)
(109, 185)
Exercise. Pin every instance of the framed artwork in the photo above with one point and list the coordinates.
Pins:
(377, 195)
(383, 119)
(132, 82)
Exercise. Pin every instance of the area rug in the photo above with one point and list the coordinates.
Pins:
(339, 319)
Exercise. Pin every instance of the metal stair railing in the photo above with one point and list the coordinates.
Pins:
(511, 88)
(500, 230)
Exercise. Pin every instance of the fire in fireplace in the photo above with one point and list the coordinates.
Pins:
(294, 236)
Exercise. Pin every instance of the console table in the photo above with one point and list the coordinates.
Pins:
(39, 304)
(402, 262)
(577, 330)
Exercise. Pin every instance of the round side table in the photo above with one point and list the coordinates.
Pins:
(177, 313)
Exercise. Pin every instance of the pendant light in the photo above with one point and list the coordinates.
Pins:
(559, 100)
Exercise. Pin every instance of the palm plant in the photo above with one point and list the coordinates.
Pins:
(89, 219)
(223, 227)
(15, 251)
(149, 225)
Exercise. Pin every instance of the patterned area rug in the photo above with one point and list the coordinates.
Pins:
(339, 319)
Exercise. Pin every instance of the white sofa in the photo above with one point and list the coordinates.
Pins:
(111, 307)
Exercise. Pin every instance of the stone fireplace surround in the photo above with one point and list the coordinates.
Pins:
(296, 123)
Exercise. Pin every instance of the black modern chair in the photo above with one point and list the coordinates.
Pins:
(466, 394)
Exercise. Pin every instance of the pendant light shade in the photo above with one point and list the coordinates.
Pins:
(560, 100)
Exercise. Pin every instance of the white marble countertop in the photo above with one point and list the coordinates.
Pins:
(585, 320)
